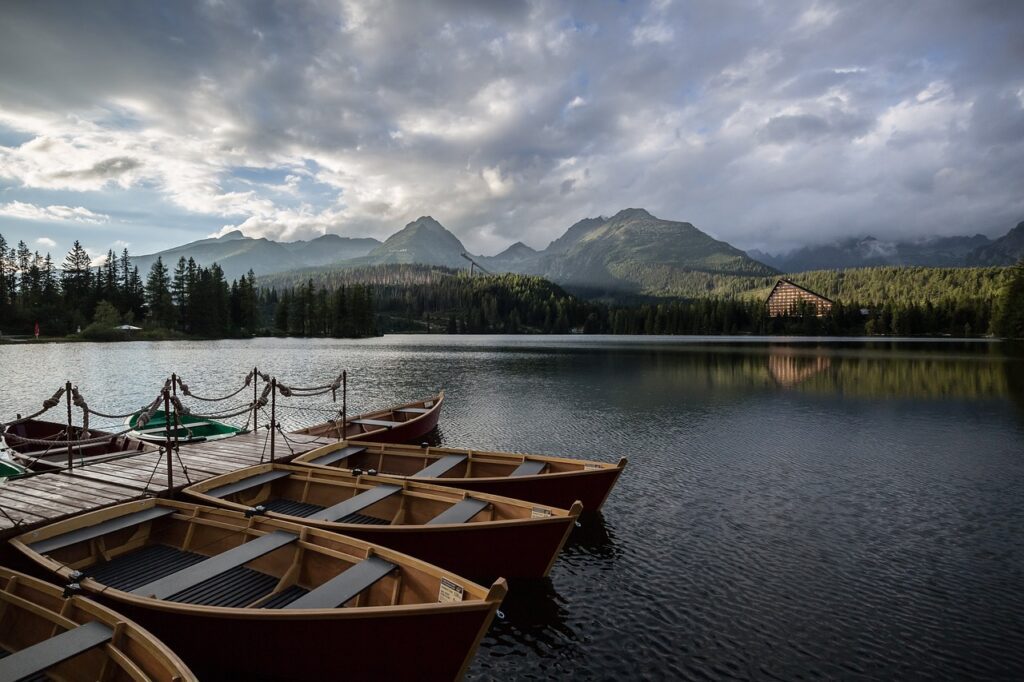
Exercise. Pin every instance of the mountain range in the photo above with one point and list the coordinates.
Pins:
(863, 252)
(630, 252)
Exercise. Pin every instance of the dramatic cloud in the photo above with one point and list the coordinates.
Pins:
(75, 214)
(767, 124)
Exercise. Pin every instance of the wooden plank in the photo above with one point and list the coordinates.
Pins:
(246, 483)
(440, 467)
(215, 565)
(338, 455)
(49, 652)
(460, 513)
(529, 468)
(375, 422)
(89, 532)
(356, 503)
(345, 585)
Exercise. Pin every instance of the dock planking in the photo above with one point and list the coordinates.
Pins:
(45, 498)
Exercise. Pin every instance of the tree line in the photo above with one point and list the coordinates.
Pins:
(81, 296)
(196, 300)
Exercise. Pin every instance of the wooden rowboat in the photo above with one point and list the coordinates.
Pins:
(473, 534)
(37, 457)
(401, 424)
(45, 635)
(554, 481)
(189, 429)
(261, 599)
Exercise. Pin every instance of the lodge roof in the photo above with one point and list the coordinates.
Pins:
(792, 283)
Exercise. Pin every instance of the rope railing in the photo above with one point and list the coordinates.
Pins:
(187, 391)
(174, 409)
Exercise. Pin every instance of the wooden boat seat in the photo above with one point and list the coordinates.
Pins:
(118, 523)
(246, 483)
(413, 410)
(337, 455)
(376, 422)
(441, 466)
(344, 586)
(220, 563)
(460, 513)
(356, 503)
(62, 449)
(529, 468)
(38, 657)
(179, 427)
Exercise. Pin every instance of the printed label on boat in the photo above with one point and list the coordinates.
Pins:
(450, 592)
(428, 403)
(539, 513)
(591, 467)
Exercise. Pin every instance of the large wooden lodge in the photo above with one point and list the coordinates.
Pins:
(786, 299)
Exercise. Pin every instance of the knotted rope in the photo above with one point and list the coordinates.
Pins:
(186, 391)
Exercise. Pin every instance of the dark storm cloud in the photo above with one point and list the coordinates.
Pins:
(768, 124)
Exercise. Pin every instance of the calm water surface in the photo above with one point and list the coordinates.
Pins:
(792, 510)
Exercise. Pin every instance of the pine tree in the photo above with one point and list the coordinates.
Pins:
(158, 296)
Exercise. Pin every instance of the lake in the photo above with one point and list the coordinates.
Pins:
(792, 508)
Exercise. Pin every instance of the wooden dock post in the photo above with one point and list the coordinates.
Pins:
(273, 414)
(255, 406)
(344, 401)
(71, 456)
(167, 442)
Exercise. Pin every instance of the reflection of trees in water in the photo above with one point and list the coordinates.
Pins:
(1014, 373)
(869, 372)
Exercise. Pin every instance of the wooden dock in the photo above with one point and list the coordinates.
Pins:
(38, 500)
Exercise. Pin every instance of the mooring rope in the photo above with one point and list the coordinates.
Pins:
(186, 391)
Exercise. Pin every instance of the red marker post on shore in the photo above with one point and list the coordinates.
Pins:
(37, 330)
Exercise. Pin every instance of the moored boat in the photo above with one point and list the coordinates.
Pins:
(47, 635)
(256, 598)
(187, 429)
(400, 424)
(554, 481)
(40, 445)
(473, 534)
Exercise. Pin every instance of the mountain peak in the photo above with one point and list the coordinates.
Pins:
(632, 214)
(231, 236)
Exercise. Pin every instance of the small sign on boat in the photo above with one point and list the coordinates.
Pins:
(539, 513)
(591, 467)
(450, 592)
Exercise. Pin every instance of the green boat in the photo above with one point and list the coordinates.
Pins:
(8, 468)
(189, 429)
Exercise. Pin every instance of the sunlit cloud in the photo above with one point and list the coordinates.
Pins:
(76, 214)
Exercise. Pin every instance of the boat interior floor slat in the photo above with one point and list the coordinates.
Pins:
(285, 597)
(143, 566)
(238, 587)
(364, 519)
(291, 507)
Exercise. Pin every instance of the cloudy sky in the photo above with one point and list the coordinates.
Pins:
(770, 123)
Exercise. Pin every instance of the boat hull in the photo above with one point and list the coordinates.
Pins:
(410, 431)
(333, 646)
(474, 550)
(554, 490)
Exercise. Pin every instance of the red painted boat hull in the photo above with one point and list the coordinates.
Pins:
(475, 550)
(399, 647)
(554, 490)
